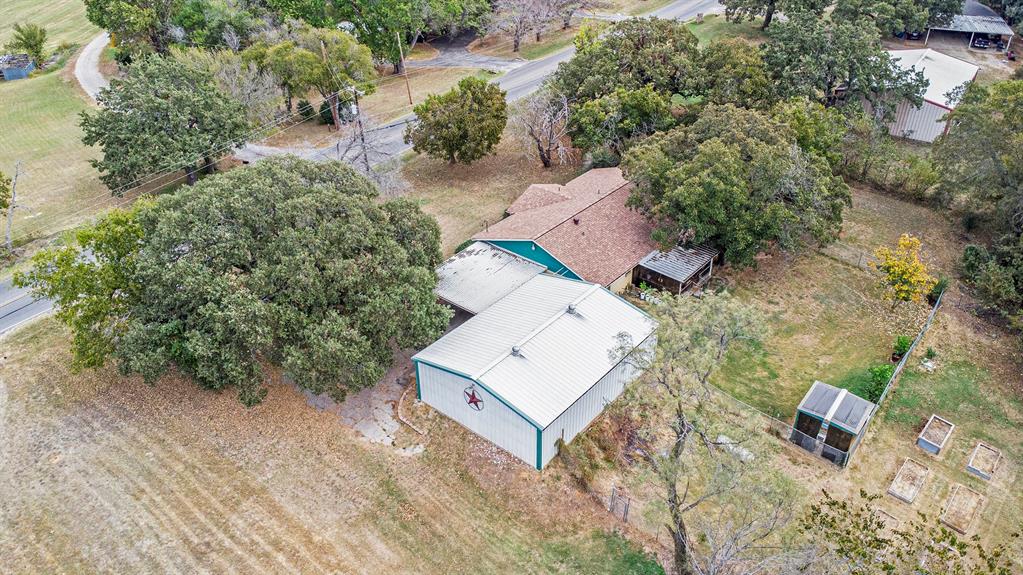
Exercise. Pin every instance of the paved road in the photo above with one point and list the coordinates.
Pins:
(17, 306)
(87, 66)
(518, 82)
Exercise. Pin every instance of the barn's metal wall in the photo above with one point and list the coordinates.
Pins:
(496, 422)
(923, 124)
(586, 408)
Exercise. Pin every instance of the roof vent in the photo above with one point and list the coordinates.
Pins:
(575, 221)
(571, 309)
(516, 351)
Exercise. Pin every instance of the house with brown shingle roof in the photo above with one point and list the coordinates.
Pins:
(581, 230)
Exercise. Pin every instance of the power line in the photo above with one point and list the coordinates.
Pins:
(99, 200)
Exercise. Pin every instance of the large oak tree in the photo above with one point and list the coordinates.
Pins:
(287, 262)
(633, 54)
(738, 179)
(163, 115)
(837, 60)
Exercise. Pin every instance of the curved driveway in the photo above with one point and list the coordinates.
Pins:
(87, 66)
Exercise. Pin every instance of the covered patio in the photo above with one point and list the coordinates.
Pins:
(980, 23)
(676, 271)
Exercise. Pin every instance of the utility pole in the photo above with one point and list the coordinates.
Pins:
(404, 70)
(332, 99)
(11, 206)
(362, 132)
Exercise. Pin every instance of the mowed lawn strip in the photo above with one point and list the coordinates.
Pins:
(64, 20)
(715, 27)
(39, 127)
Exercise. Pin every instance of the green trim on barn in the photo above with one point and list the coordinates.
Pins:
(419, 390)
(539, 449)
(477, 382)
(532, 251)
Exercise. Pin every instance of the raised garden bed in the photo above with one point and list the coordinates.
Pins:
(984, 461)
(935, 435)
(891, 523)
(908, 481)
(962, 508)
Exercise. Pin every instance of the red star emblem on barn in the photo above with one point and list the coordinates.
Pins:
(473, 399)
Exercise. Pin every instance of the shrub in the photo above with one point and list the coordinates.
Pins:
(974, 258)
(902, 344)
(604, 157)
(996, 287)
(464, 245)
(939, 286)
(971, 221)
(325, 116)
(879, 376)
(930, 354)
(306, 110)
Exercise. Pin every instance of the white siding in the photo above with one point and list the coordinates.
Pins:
(923, 124)
(496, 422)
(578, 416)
(622, 283)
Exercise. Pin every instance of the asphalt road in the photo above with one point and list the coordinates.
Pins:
(17, 306)
(517, 82)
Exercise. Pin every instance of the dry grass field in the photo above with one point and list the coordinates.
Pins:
(100, 473)
(390, 100)
(465, 198)
(827, 317)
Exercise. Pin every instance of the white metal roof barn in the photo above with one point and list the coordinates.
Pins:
(476, 277)
(535, 367)
(944, 74)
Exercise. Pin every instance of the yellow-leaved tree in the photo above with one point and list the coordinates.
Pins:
(905, 276)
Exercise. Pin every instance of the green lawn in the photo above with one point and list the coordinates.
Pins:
(827, 322)
(64, 20)
(500, 45)
(715, 27)
(39, 127)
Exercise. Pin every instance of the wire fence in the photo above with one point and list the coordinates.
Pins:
(848, 254)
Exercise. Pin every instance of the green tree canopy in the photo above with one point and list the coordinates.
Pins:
(163, 115)
(621, 116)
(739, 10)
(288, 262)
(633, 54)
(830, 60)
(383, 24)
(819, 130)
(989, 176)
(734, 73)
(213, 23)
(736, 178)
(461, 125)
(138, 25)
(898, 15)
(30, 39)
